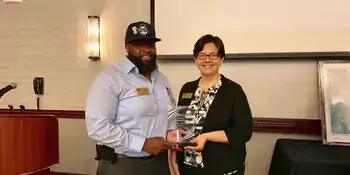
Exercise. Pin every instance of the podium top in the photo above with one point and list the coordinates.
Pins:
(25, 115)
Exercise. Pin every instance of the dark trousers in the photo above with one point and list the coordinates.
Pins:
(190, 170)
(135, 166)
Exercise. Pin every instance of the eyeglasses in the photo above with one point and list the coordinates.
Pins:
(212, 56)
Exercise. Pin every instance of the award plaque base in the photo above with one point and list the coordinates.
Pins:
(184, 144)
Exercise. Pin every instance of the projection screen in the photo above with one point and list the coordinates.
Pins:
(254, 26)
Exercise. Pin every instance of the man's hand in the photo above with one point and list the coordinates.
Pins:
(155, 145)
(174, 136)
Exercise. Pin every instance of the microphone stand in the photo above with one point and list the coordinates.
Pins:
(38, 102)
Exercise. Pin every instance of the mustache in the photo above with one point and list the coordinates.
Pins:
(207, 64)
(146, 54)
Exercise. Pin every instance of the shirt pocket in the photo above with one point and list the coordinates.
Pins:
(164, 99)
(137, 105)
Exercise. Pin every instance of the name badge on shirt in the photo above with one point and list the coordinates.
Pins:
(186, 95)
(142, 91)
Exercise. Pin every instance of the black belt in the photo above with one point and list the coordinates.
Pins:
(121, 156)
(107, 153)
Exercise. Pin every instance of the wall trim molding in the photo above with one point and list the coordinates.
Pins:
(288, 125)
(48, 171)
(261, 124)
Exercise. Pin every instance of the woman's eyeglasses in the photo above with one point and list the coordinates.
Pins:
(212, 56)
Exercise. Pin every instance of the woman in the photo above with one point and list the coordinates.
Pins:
(220, 111)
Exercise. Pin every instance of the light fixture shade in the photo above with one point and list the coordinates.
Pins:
(12, 1)
(94, 37)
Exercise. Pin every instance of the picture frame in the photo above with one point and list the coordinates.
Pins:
(334, 94)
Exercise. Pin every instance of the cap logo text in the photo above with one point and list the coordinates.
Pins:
(134, 29)
(143, 29)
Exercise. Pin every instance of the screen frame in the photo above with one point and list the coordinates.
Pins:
(318, 56)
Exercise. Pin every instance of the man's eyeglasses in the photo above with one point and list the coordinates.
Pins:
(212, 56)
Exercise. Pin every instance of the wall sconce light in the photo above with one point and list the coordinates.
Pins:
(12, 1)
(94, 38)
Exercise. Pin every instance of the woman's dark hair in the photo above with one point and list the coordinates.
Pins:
(208, 38)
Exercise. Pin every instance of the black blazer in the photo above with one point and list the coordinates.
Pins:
(230, 111)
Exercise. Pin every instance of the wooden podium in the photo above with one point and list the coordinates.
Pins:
(28, 143)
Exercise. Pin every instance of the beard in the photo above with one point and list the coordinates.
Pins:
(144, 66)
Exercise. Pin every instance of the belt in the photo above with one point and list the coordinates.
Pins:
(121, 156)
(107, 153)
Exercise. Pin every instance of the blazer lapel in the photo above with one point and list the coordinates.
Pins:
(188, 93)
(214, 108)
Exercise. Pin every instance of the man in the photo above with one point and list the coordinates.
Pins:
(127, 110)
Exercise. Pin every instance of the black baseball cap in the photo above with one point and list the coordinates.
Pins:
(140, 31)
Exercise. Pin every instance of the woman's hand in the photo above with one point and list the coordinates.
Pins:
(173, 163)
(200, 140)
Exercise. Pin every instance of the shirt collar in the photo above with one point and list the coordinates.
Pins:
(126, 65)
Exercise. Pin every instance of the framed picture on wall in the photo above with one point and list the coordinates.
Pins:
(334, 91)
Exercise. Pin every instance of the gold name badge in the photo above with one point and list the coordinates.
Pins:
(187, 95)
(142, 91)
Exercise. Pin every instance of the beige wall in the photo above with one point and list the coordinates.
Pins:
(280, 89)
(48, 38)
(44, 38)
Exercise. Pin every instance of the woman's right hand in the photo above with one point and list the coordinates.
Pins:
(173, 163)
